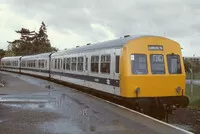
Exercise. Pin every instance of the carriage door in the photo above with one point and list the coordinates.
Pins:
(116, 70)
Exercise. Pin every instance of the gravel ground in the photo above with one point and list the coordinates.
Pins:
(186, 118)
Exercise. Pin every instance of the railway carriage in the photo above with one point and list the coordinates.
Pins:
(11, 63)
(148, 71)
(89, 67)
(36, 64)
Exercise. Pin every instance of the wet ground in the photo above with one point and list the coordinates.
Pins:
(30, 105)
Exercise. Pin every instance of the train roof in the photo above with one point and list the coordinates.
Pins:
(11, 58)
(40, 56)
(116, 43)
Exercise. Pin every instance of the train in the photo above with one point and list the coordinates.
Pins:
(145, 70)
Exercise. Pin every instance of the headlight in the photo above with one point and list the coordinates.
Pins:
(178, 90)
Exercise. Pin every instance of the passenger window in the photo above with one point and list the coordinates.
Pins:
(41, 64)
(95, 64)
(61, 63)
(105, 63)
(8, 63)
(64, 62)
(174, 65)
(157, 64)
(86, 63)
(117, 64)
(38, 63)
(15, 63)
(23, 63)
(139, 63)
(73, 64)
(80, 64)
(45, 63)
(34, 63)
(58, 63)
(55, 65)
(68, 64)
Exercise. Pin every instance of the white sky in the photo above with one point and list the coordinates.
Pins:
(77, 22)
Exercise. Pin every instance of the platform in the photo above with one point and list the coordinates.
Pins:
(31, 105)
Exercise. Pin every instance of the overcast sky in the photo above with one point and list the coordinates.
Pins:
(77, 22)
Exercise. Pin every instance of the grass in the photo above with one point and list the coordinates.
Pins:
(195, 75)
(195, 98)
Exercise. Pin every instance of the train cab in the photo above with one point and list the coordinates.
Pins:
(151, 68)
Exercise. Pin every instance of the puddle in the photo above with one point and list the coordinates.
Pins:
(26, 98)
(1, 85)
(32, 105)
(1, 121)
(4, 100)
(61, 126)
(31, 101)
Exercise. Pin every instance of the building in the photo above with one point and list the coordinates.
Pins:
(194, 62)
(192, 59)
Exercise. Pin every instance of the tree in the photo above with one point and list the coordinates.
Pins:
(31, 42)
(2, 53)
(187, 65)
(41, 42)
(9, 53)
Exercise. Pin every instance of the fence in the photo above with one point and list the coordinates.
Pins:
(195, 97)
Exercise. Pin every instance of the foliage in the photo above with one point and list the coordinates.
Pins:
(31, 42)
(187, 65)
(194, 65)
(9, 53)
(2, 53)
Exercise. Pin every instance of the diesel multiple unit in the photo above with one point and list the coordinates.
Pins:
(147, 70)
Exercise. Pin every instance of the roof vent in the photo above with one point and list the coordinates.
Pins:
(126, 36)
(88, 44)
